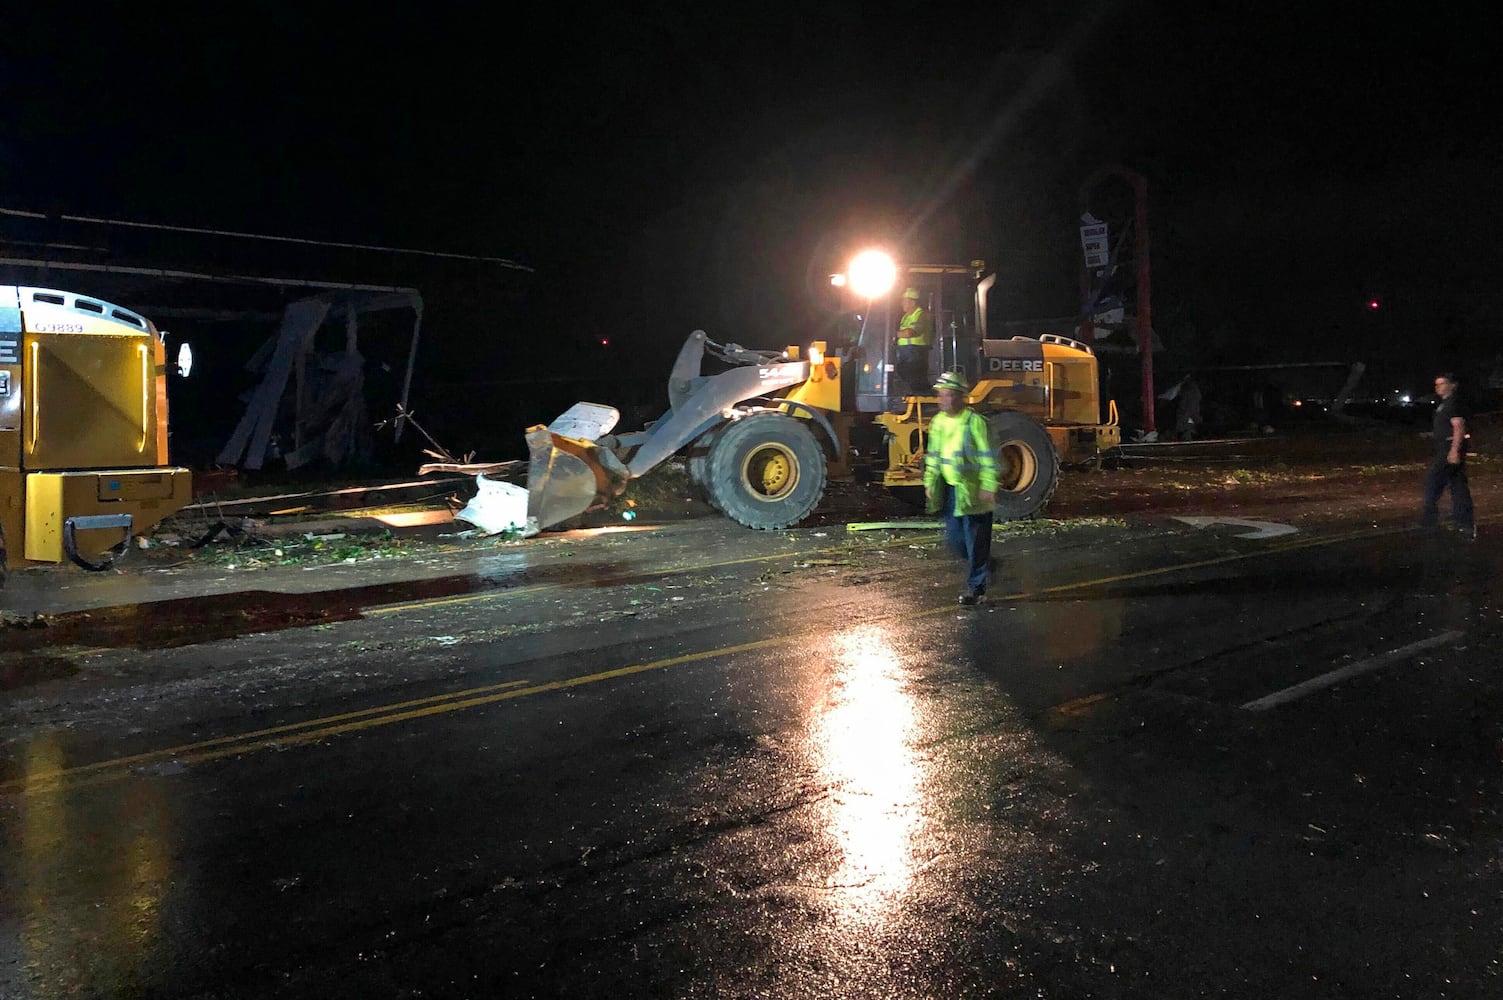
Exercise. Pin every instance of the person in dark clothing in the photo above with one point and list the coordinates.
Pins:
(1448, 461)
(1187, 418)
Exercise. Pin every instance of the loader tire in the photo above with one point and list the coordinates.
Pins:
(766, 471)
(1027, 466)
(699, 464)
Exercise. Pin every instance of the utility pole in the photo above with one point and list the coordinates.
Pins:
(1143, 307)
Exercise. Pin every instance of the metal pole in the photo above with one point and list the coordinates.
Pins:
(417, 326)
(1144, 305)
(1145, 312)
(1086, 328)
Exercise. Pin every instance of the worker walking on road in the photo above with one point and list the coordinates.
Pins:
(960, 480)
(915, 330)
(1448, 462)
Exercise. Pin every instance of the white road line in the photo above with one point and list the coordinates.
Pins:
(1350, 670)
(1260, 529)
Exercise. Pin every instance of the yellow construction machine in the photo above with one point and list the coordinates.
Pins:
(83, 429)
(763, 436)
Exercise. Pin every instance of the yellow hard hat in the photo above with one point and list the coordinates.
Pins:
(912, 293)
(953, 380)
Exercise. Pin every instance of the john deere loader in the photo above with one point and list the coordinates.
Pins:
(83, 429)
(767, 430)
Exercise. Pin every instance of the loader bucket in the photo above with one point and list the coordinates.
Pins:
(568, 476)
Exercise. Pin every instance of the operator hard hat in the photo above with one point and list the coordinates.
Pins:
(955, 381)
(912, 293)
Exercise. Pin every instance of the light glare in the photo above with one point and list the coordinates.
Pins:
(872, 273)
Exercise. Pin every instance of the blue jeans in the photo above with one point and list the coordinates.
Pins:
(969, 537)
(1440, 476)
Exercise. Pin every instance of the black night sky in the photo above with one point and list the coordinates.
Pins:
(666, 166)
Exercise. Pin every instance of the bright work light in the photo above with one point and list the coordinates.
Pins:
(872, 274)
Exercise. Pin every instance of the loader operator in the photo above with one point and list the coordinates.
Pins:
(915, 330)
(960, 481)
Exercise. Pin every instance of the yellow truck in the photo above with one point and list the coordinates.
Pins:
(83, 429)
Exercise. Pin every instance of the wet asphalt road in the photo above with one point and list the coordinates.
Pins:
(730, 764)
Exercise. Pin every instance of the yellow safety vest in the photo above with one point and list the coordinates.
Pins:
(958, 451)
(917, 326)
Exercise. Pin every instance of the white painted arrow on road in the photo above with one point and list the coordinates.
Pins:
(1261, 529)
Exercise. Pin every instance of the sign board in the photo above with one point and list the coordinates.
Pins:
(1110, 317)
(1094, 243)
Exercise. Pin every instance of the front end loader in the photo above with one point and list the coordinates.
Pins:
(764, 437)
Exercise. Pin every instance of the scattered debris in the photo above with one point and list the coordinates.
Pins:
(248, 551)
(447, 462)
(326, 396)
(498, 508)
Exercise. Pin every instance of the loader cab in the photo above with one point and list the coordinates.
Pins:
(953, 295)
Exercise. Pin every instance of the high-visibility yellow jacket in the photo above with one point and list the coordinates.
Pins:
(959, 451)
(915, 328)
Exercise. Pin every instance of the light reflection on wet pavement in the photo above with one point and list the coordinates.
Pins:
(863, 737)
(88, 882)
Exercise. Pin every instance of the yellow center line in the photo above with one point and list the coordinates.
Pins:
(178, 752)
(319, 729)
(318, 735)
(300, 733)
(438, 602)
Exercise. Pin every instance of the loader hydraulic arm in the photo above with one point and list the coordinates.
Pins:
(569, 474)
(696, 400)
